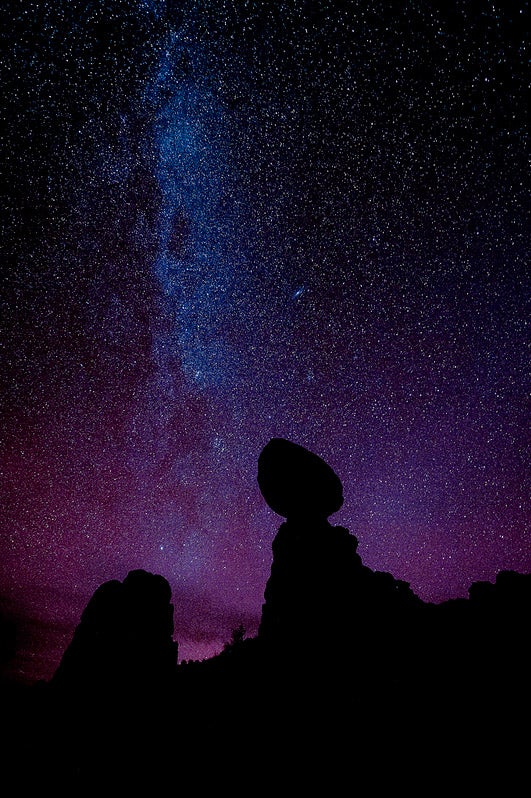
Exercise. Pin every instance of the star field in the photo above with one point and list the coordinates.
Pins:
(232, 221)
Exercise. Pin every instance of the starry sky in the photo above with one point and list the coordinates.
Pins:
(229, 221)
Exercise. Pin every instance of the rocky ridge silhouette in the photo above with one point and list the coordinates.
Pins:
(349, 669)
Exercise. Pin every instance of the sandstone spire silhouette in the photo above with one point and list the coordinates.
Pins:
(124, 641)
(319, 599)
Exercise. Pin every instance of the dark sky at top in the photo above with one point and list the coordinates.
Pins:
(228, 221)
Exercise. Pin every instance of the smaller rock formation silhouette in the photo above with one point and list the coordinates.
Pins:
(111, 701)
(124, 640)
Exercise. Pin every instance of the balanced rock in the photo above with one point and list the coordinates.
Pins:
(297, 483)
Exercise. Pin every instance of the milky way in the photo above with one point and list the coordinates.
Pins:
(227, 222)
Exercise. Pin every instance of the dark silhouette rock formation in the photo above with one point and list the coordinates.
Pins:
(111, 703)
(351, 680)
(296, 483)
(342, 642)
(321, 602)
(124, 641)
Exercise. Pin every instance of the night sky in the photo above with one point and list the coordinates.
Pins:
(229, 221)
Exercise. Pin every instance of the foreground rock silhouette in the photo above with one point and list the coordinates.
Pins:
(321, 603)
(124, 642)
(351, 679)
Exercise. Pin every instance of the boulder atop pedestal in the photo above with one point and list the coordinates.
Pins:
(297, 483)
